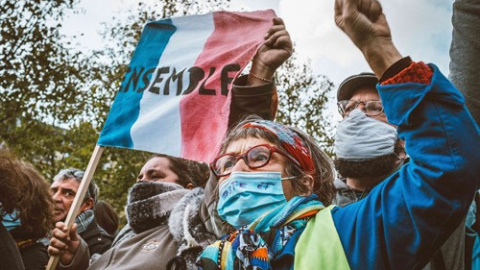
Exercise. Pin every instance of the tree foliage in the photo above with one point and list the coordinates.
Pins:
(52, 100)
(43, 88)
(303, 97)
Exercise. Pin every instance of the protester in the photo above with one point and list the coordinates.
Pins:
(64, 188)
(368, 150)
(26, 212)
(367, 147)
(106, 217)
(163, 168)
(251, 94)
(161, 183)
(404, 219)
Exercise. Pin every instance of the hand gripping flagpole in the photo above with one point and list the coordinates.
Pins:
(77, 202)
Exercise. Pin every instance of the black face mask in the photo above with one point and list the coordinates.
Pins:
(379, 166)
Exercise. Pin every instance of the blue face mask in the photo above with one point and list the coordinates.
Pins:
(10, 221)
(360, 137)
(245, 196)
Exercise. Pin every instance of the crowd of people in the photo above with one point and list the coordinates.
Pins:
(400, 194)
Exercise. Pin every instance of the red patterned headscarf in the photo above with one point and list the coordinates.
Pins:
(290, 141)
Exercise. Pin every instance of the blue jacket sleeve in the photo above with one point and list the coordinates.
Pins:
(408, 216)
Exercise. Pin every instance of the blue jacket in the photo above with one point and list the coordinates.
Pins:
(407, 217)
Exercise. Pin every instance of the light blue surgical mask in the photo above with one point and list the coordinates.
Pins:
(245, 196)
(360, 137)
(11, 221)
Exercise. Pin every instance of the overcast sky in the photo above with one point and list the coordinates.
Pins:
(421, 29)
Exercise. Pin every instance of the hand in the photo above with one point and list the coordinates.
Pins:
(365, 24)
(64, 243)
(276, 49)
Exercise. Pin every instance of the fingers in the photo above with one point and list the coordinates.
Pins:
(73, 233)
(346, 13)
(338, 7)
(349, 9)
(276, 49)
(365, 24)
(61, 232)
(277, 36)
(62, 239)
(278, 25)
(57, 247)
(275, 29)
(338, 13)
(279, 40)
(371, 8)
(278, 21)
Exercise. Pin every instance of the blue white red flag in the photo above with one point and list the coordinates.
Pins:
(175, 98)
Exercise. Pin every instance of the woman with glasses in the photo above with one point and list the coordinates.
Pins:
(272, 180)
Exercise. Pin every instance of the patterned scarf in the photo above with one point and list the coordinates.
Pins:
(83, 220)
(246, 249)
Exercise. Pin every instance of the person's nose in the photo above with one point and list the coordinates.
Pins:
(56, 196)
(240, 166)
(361, 106)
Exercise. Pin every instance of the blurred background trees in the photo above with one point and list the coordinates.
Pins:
(54, 98)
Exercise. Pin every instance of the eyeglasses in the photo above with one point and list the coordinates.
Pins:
(256, 157)
(371, 108)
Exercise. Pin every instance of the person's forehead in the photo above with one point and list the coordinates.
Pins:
(156, 163)
(242, 145)
(68, 183)
(365, 93)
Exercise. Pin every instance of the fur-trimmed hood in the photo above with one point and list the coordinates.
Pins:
(189, 230)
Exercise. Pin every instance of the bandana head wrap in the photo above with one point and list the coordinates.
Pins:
(291, 141)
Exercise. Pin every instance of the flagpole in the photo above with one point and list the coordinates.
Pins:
(77, 202)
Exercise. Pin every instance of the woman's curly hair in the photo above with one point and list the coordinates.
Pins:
(24, 191)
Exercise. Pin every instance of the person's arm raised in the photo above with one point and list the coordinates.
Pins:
(255, 93)
(364, 23)
(276, 49)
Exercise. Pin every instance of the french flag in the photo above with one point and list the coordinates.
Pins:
(175, 98)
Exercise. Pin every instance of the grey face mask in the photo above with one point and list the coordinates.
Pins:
(360, 137)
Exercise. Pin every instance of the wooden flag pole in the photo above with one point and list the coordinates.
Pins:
(77, 202)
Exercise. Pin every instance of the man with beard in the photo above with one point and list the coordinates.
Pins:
(64, 188)
(366, 145)
(368, 151)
